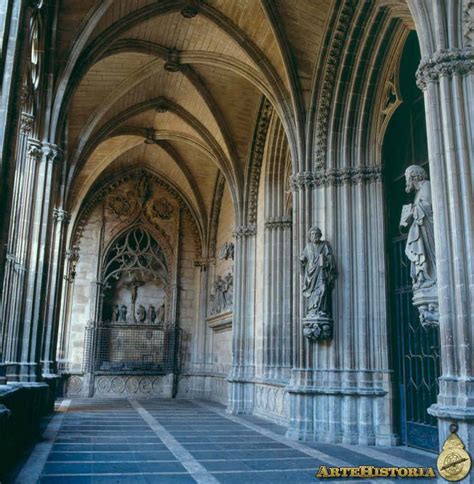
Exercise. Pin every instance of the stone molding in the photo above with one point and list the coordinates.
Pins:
(220, 322)
(245, 230)
(61, 215)
(258, 150)
(336, 177)
(444, 63)
(332, 63)
(276, 223)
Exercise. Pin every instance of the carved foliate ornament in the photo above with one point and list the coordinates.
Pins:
(162, 209)
(119, 205)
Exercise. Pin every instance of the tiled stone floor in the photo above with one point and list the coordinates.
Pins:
(178, 441)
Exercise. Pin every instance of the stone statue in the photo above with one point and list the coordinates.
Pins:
(123, 313)
(141, 314)
(115, 313)
(418, 216)
(161, 314)
(420, 248)
(319, 274)
(151, 314)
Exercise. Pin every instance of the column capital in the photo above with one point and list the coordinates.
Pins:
(61, 215)
(445, 63)
(275, 223)
(34, 149)
(26, 123)
(245, 230)
(51, 152)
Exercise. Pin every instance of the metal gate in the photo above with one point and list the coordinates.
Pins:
(416, 357)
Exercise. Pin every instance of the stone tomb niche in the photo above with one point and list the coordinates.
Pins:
(133, 334)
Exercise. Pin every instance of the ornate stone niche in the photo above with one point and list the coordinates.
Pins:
(133, 334)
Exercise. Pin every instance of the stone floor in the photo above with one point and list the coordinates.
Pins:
(178, 441)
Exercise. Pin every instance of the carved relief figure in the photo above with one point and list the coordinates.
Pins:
(115, 313)
(141, 314)
(161, 314)
(151, 314)
(226, 251)
(222, 298)
(319, 274)
(123, 313)
(229, 290)
(418, 216)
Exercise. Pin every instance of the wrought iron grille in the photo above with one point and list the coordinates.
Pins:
(416, 360)
(131, 349)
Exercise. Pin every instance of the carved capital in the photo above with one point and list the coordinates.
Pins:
(61, 215)
(51, 152)
(34, 149)
(204, 262)
(245, 230)
(303, 180)
(445, 63)
(26, 124)
(278, 223)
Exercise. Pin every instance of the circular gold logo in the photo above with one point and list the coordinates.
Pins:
(454, 463)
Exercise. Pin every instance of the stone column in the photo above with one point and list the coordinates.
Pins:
(37, 215)
(277, 299)
(15, 267)
(241, 394)
(446, 76)
(340, 389)
(61, 219)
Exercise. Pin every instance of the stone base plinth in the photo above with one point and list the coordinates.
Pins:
(111, 385)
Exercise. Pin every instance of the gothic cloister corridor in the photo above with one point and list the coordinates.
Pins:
(236, 239)
(182, 441)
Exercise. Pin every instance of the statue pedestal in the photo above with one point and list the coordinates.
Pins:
(318, 327)
(426, 300)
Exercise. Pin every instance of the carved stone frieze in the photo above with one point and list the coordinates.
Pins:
(258, 148)
(245, 230)
(468, 22)
(26, 123)
(445, 63)
(335, 177)
(141, 198)
(278, 223)
(332, 63)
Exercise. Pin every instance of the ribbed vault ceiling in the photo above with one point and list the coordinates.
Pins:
(120, 82)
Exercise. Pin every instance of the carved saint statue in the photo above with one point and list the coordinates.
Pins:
(151, 314)
(141, 314)
(115, 313)
(319, 274)
(161, 314)
(418, 216)
(420, 248)
(123, 313)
